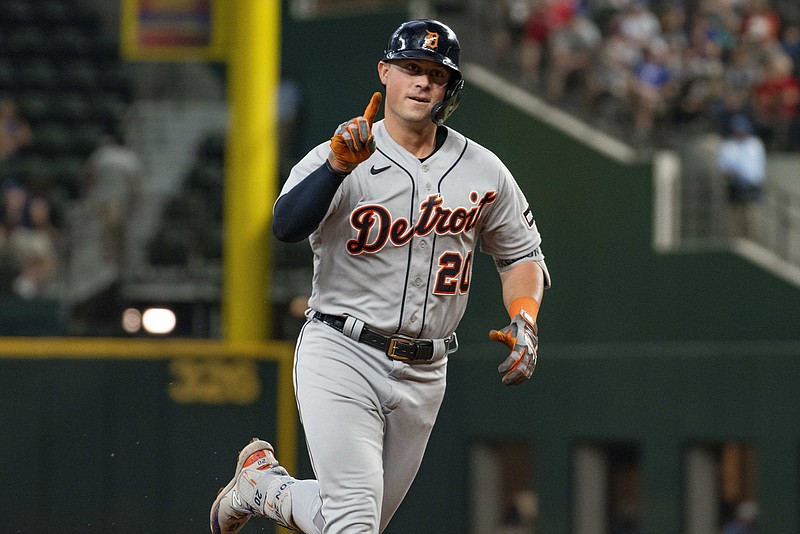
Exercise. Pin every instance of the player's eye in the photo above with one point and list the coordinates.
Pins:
(438, 76)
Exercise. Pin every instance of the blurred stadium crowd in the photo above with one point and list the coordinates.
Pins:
(651, 69)
(62, 93)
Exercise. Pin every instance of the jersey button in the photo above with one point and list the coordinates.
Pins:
(423, 244)
(424, 168)
(418, 282)
(413, 318)
(428, 187)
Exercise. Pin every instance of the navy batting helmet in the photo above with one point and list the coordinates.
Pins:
(430, 40)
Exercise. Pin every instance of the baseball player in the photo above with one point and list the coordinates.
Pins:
(393, 210)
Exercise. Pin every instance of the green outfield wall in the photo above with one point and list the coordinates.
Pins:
(132, 436)
(114, 440)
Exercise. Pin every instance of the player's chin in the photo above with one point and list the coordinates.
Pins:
(417, 110)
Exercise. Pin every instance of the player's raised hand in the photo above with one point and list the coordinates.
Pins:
(521, 337)
(353, 141)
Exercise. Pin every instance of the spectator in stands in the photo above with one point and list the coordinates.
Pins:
(745, 521)
(717, 22)
(609, 80)
(760, 26)
(742, 160)
(572, 50)
(533, 46)
(639, 25)
(546, 18)
(673, 25)
(38, 259)
(506, 32)
(723, 108)
(15, 210)
(113, 174)
(790, 44)
(722, 58)
(775, 103)
(734, 94)
(700, 69)
(15, 132)
(652, 84)
(28, 235)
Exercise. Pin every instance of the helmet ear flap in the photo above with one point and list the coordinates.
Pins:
(442, 110)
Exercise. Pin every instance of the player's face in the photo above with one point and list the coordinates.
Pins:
(413, 86)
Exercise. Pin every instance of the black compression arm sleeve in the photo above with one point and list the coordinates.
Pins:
(299, 212)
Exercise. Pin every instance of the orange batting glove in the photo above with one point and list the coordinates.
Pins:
(353, 141)
(521, 337)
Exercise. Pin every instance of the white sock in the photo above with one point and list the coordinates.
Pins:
(269, 493)
(307, 506)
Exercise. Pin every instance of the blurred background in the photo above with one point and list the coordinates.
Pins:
(657, 140)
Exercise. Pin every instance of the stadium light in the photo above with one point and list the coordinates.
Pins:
(158, 320)
(131, 320)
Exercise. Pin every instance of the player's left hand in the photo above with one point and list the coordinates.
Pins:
(521, 337)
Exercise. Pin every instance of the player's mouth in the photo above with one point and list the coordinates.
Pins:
(421, 99)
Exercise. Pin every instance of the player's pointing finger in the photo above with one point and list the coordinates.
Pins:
(372, 108)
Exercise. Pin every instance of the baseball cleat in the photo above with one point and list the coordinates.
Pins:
(230, 512)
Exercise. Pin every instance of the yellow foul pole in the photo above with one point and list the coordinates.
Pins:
(251, 166)
(251, 185)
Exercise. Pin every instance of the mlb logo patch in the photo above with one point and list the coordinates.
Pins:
(528, 216)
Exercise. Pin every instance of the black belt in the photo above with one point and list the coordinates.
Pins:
(396, 348)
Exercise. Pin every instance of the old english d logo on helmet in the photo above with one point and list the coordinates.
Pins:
(431, 40)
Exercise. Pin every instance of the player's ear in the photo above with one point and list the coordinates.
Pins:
(383, 71)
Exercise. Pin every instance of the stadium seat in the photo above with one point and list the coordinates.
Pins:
(24, 41)
(54, 12)
(51, 138)
(8, 75)
(86, 136)
(12, 169)
(38, 74)
(13, 13)
(106, 46)
(79, 74)
(184, 210)
(206, 175)
(212, 243)
(38, 173)
(35, 106)
(168, 248)
(113, 77)
(68, 179)
(212, 146)
(9, 270)
(107, 107)
(68, 41)
(70, 107)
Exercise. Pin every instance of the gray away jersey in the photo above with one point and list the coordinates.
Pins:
(396, 246)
